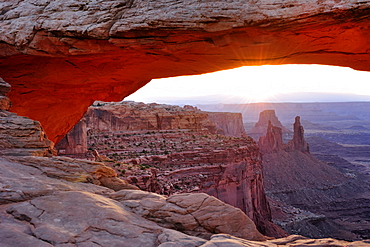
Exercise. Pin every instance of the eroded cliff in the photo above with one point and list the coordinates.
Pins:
(61, 57)
(170, 149)
(58, 201)
(308, 196)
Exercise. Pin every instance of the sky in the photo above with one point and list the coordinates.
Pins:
(268, 83)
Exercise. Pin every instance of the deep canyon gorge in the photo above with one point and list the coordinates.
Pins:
(58, 57)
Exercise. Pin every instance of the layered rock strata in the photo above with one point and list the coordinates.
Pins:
(298, 142)
(20, 135)
(308, 196)
(57, 201)
(39, 210)
(131, 116)
(267, 120)
(49, 199)
(230, 123)
(169, 149)
(137, 41)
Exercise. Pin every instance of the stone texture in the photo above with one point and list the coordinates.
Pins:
(272, 141)
(74, 170)
(23, 136)
(137, 41)
(20, 135)
(75, 217)
(230, 123)
(298, 142)
(75, 142)
(5, 103)
(169, 149)
(306, 195)
(55, 201)
(267, 119)
(126, 117)
(195, 214)
(4, 87)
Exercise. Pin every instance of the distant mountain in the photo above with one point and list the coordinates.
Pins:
(319, 97)
(290, 97)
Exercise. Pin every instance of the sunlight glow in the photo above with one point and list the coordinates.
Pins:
(257, 84)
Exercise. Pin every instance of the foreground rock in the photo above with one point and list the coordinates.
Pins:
(23, 136)
(78, 42)
(20, 135)
(59, 212)
(58, 202)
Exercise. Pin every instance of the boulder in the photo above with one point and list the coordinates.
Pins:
(195, 214)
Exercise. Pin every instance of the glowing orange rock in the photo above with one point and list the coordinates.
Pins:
(59, 58)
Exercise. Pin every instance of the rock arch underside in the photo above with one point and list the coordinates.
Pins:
(60, 56)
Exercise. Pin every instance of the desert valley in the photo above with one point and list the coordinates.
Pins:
(311, 191)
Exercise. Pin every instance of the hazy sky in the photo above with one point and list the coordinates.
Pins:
(258, 83)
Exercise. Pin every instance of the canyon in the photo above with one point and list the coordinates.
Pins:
(170, 149)
(309, 196)
(178, 156)
(48, 200)
(60, 57)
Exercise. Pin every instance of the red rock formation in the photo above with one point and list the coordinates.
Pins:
(60, 58)
(5, 103)
(272, 141)
(75, 142)
(131, 116)
(310, 191)
(298, 142)
(169, 149)
(20, 135)
(230, 123)
(266, 118)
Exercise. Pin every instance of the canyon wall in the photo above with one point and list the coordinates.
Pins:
(230, 123)
(170, 149)
(60, 58)
(308, 196)
(267, 119)
(44, 202)
(131, 116)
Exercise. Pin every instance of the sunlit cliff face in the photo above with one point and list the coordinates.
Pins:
(60, 59)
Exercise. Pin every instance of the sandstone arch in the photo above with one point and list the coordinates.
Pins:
(61, 56)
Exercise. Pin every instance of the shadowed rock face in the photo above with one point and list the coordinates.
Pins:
(183, 148)
(59, 58)
(308, 196)
(268, 124)
(298, 142)
(230, 123)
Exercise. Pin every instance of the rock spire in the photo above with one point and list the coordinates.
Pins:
(272, 141)
(298, 142)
